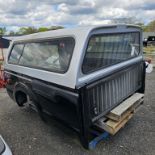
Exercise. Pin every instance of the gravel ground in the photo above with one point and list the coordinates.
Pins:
(26, 134)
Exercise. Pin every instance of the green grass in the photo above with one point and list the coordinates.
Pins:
(1, 62)
(149, 49)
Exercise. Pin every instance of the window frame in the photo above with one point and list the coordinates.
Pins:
(39, 41)
(103, 67)
(8, 58)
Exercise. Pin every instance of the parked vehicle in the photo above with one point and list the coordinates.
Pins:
(4, 149)
(79, 74)
(150, 41)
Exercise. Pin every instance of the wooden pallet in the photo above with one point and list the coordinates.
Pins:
(130, 104)
(120, 115)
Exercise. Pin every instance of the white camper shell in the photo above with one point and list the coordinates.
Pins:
(73, 77)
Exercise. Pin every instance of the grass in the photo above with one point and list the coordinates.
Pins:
(149, 53)
(149, 49)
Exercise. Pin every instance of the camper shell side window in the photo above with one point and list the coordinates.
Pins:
(52, 55)
(16, 53)
(104, 50)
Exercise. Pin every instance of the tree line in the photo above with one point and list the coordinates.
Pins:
(28, 30)
(150, 27)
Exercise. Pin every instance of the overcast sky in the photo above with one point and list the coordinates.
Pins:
(68, 13)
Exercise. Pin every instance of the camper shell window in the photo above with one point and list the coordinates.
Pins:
(53, 55)
(16, 53)
(107, 49)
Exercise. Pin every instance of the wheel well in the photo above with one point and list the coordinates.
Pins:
(20, 98)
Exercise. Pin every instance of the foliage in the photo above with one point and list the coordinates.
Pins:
(149, 49)
(150, 27)
(2, 30)
(30, 30)
(27, 30)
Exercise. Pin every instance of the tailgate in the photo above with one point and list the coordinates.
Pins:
(105, 94)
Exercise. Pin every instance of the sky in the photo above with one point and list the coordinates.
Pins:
(71, 13)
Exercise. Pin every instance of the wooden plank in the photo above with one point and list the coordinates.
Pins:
(113, 127)
(114, 124)
(131, 109)
(135, 106)
(127, 103)
(132, 101)
(120, 125)
(101, 120)
(103, 127)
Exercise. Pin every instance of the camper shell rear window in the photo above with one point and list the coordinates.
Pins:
(104, 50)
(52, 55)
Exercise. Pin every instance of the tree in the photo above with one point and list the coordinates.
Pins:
(27, 30)
(56, 27)
(43, 29)
(2, 30)
(150, 27)
(30, 30)
(12, 33)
